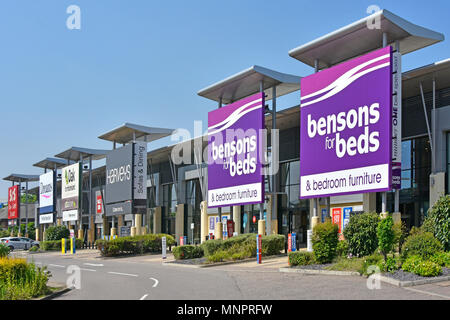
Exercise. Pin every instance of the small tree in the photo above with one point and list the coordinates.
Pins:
(386, 236)
(438, 221)
(57, 233)
(325, 241)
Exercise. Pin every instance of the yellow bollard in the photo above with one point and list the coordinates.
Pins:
(63, 246)
(72, 245)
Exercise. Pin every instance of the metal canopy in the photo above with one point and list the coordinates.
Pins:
(52, 163)
(247, 82)
(76, 154)
(439, 71)
(357, 39)
(14, 177)
(125, 133)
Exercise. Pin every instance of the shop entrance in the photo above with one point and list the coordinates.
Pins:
(298, 223)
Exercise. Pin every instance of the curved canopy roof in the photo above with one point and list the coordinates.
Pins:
(52, 163)
(15, 177)
(357, 39)
(76, 154)
(124, 134)
(439, 71)
(247, 82)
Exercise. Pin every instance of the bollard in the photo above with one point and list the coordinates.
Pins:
(258, 248)
(63, 245)
(72, 246)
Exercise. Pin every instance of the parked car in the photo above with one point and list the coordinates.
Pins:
(19, 243)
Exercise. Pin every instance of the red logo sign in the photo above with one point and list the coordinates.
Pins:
(99, 204)
(13, 202)
(254, 219)
(337, 214)
(230, 228)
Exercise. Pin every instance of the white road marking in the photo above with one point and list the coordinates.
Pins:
(124, 274)
(426, 292)
(156, 282)
(84, 269)
(143, 298)
(94, 264)
(56, 266)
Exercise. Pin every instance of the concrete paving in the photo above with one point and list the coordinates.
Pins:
(147, 278)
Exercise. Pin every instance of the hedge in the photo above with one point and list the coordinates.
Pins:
(187, 252)
(361, 234)
(20, 280)
(422, 244)
(55, 245)
(133, 245)
(301, 258)
(242, 247)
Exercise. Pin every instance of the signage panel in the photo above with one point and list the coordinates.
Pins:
(118, 208)
(396, 120)
(71, 187)
(13, 202)
(46, 218)
(235, 153)
(119, 174)
(70, 215)
(47, 189)
(337, 218)
(140, 174)
(346, 128)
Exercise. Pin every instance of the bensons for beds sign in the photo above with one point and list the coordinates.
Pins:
(345, 127)
(235, 150)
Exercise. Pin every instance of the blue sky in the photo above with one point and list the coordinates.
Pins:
(144, 61)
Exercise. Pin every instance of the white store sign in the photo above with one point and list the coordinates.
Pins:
(46, 218)
(71, 215)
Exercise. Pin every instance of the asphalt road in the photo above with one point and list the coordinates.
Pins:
(147, 278)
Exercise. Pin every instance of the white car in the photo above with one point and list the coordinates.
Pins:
(19, 243)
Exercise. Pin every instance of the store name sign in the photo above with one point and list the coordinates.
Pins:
(235, 153)
(345, 127)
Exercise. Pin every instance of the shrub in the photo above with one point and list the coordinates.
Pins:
(20, 280)
(187, 252)
(442, 259)
(272, 244)
(438, 221)
(386, 236)
(325, 241)
(34, 249)
(361, 234)
(423, 244)
(5, 233)
(301, 258)
(400, 234)
(342, 248)
(55, 245)
(133, 245)
(371, 262)
(56, 233)
(389, 265)
(4, 250)
(415, 264)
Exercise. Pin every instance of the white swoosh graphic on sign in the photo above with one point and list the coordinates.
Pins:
(234, 120)
(235, 113)
(339, 81)
(346, 84)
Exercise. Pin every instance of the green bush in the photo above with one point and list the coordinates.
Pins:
(386, 236)
(301, 258)
(370, 262)
(20, 280)
(34, 249)
(342, 248)
(389, 265)
(187, 252)
(4, 250)
(438, 221)
(424, 268)
(325, 240)
(423, 244)
(5, 233)
(400, 234)
(442, 259)
(56, 233)
(134, 245)
(272, 244)
(361, 234)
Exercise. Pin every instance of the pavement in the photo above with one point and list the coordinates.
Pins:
(146, 277)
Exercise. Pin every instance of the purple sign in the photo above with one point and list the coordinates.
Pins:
(235, 153)
(345, 127)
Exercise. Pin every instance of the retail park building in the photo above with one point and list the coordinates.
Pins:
(176, 193)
